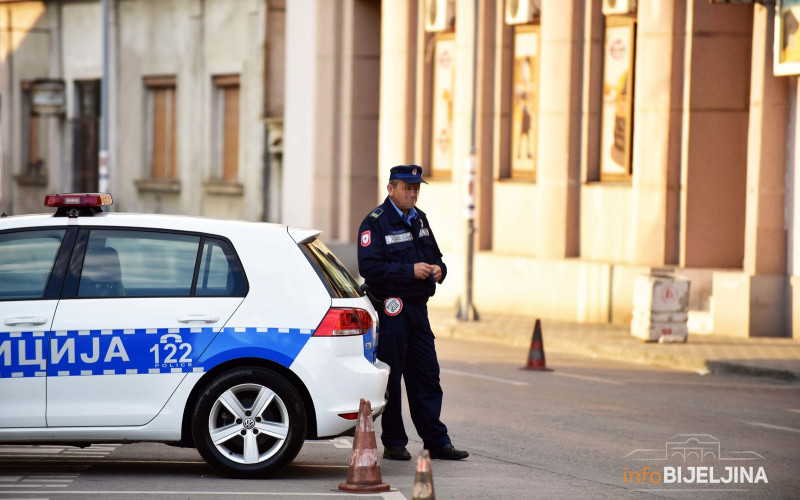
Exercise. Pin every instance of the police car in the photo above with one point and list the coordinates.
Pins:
(241, 339)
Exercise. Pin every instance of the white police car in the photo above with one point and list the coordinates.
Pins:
(242, 339)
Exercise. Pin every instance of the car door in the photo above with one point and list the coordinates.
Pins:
(138, 308)
(32, 265)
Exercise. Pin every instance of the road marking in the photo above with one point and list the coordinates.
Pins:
(36, 481)
(389, 495)
(340, 442)
(317, 466)
(41, 480)
(27, 498)
(721, 384)
(484, 377)
(775, 427)
(50, 451)
(589, 379)
(37, 450)
(795, 411)
(33, 485)
(681, 490)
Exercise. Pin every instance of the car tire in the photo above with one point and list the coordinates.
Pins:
(249, 423)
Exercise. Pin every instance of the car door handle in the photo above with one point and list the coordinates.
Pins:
(25, 321)
(199, 318)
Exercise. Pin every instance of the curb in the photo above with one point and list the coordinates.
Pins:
(727, 367)
(476, 332)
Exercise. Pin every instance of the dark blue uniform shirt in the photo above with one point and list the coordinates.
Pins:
(388, 249)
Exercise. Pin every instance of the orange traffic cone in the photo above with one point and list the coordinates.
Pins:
(364, 473)
(536, 353)
(423, 480)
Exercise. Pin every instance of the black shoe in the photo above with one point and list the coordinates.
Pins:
(448, 452)
(396, 453)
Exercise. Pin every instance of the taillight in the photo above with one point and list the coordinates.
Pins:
(341, 322)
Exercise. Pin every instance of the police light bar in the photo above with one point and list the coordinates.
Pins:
(77, 200)
(77, 204)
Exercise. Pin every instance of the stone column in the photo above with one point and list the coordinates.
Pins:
(753, 302)
(715, 122)
(300, 111)
(657, 133)
(765, 229)
(360, 114)
(397, 93)
(558, 177)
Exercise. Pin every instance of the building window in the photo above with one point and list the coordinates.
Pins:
(226, 129)
(616, 136)
(34, 136)
(86, 135)
(525, 111)
(442, 101)
(161, 133)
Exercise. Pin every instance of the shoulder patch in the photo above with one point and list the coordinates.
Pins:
(376, 213)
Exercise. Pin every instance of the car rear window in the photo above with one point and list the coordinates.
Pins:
(336, 278)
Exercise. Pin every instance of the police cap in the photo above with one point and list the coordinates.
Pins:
(410, 174)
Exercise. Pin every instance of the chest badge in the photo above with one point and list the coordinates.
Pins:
(392, 306)
(366, 238)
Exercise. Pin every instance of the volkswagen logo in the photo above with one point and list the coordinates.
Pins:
(249, 423)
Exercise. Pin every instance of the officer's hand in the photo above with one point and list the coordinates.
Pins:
(437, 272)
(422, 270)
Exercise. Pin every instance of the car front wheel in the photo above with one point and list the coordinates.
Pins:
(249, 423)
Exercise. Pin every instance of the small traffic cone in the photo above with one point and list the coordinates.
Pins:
(364, 473)
(423, 480)
(536, 353)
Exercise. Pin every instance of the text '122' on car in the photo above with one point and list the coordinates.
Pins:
(242, 339)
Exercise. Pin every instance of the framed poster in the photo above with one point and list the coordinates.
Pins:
(787, 37)
(616, 131)
(525, 111)
(442, 103)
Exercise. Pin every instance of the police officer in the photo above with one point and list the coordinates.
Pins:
(401, 264)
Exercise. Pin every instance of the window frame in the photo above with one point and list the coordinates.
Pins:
(72, 280)
(533, 135)
(153, 85)
(34, 134)
(226, 157)
(612, 22)
(436, 171)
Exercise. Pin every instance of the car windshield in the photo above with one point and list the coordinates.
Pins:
(339, 282)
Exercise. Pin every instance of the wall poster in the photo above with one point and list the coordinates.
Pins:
(442, 102)
(525, 111)
(617, 107)
(787, 37)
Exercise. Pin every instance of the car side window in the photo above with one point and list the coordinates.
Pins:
(26, 261)
(219, 273)
(129, 263)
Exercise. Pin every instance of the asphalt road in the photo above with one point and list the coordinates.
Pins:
(588, 429)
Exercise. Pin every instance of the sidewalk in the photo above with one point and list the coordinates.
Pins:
(770, 357)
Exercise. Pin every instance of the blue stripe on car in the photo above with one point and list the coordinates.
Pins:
(72, 353)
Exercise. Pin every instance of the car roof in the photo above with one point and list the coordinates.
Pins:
(161, 221)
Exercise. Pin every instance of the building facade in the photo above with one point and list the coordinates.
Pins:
(609, 138)
(612, 140)
(194, 106)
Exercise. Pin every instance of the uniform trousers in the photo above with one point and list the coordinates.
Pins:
(406, 344)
